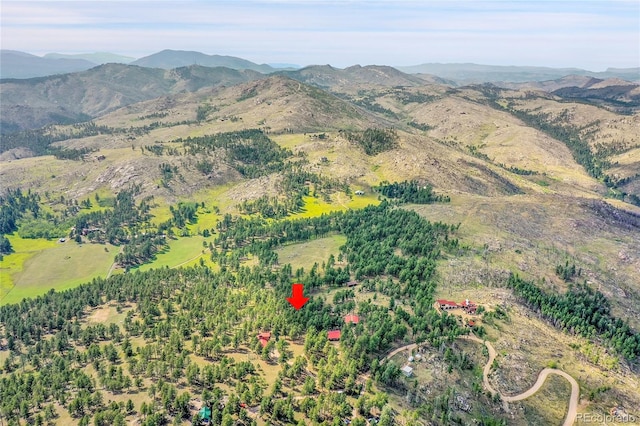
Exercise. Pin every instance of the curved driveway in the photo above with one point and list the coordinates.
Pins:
(575, 389)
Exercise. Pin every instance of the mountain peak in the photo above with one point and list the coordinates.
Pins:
(169, 59)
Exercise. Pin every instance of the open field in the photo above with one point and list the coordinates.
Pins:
(12, 264)
(314, 207)
(40, 265)
(181, 251)
(304, 255)
(107, 314)
(65, 265)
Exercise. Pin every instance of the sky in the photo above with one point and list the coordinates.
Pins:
(587, 34)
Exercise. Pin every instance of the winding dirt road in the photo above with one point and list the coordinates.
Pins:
(575, 389)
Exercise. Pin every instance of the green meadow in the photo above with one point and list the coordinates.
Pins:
(304, 255)
(183, 251)
(39, 265)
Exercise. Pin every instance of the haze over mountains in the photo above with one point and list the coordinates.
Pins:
(97, 57)
(16, 64)
(476, 73)
(168, 59)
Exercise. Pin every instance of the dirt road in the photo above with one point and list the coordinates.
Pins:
(397, 351)
(575, 389)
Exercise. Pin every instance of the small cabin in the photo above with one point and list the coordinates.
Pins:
(447, 304)
(407, 371)
(264, 337)
(351, 319)
(334, 335)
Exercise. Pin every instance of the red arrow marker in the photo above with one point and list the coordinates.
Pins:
(297, 300)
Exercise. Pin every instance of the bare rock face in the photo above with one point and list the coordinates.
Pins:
(16, 154)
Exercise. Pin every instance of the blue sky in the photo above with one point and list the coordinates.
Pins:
(586, 34)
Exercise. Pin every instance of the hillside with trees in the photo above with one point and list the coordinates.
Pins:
(147, 252)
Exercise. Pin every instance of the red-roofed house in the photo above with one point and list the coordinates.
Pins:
(264, 338)
(447, 304)
(469, 307)
(333, 335)
(471, 323)
(351, 318)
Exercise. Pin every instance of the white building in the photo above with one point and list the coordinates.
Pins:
(408, 371)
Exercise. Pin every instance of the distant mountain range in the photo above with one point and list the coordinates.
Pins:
(475, 73)
(36, 102)
(97, 58)
(15, 64)
(169, 59)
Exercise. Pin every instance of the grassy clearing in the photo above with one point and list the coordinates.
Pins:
(207, 218)
(216, 196)
(11, 264)
(358, 201)
(290, 141)
(160, 211)
(314, 207)
(304, 255)
(181, 252)
(107, 314)
(40, 265)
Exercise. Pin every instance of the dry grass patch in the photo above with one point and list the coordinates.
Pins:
(108, 314)
(547, 406)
